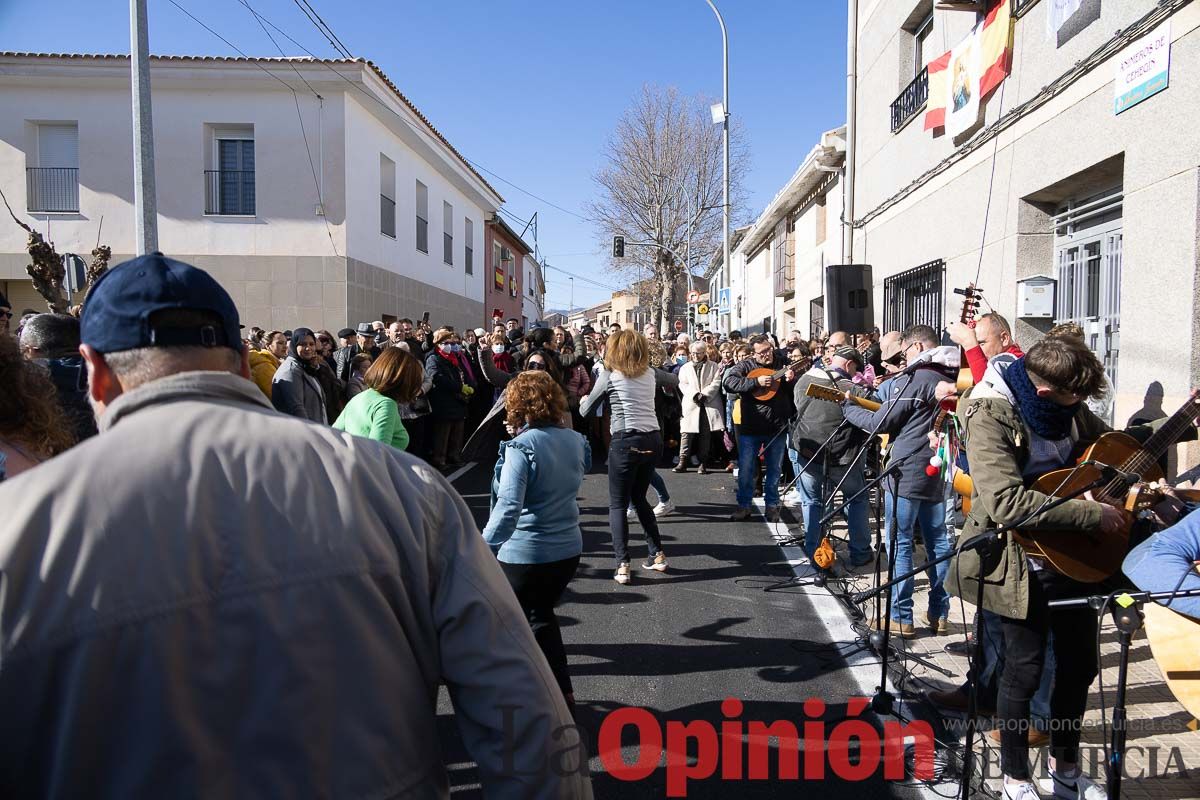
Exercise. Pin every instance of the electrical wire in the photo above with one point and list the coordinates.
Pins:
(365, 93)
(290, 88)
(1056, 87)
(323, 28)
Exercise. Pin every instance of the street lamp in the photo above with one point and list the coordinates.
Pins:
(723, 120)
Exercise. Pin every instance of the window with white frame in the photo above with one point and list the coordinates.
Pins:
(1088, 260)
(447, 233)
(229, 188)
(387, 196)
(422, 217)
(468, 246)
(920, 43)
(53, 185)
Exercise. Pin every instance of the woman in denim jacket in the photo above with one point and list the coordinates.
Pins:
(534, 523)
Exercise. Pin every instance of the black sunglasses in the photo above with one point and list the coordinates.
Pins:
(536, 365)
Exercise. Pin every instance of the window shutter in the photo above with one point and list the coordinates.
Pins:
(58, 146)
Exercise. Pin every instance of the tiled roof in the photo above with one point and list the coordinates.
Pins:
(277, 60)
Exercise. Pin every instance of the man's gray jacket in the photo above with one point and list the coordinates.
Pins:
(211, 599)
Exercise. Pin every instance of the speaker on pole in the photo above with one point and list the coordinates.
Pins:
(849, 298)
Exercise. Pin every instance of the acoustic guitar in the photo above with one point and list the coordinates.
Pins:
(1173, 642)
(819, 392)
(766, 393)
(1092, 556)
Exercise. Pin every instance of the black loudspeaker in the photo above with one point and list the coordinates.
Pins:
(849, 298)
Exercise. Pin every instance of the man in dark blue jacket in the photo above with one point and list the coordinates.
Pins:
(52, 340)
(907, 415)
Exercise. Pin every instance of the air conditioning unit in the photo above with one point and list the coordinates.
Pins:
(505, 254)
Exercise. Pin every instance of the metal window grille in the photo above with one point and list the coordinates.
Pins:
(468, 248)
(915, 297)
(387, 216)
(52, 189)
(1088, 244)
(422, 217)
(230, 189)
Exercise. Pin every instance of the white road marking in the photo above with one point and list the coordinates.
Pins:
(863, 665)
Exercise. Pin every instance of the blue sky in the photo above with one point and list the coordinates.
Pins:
(530, 89)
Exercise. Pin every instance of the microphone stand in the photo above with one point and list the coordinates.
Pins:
(1129, 619)
(977, 543)
(820, 578)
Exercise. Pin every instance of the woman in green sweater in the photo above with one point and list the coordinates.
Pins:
(395, 377)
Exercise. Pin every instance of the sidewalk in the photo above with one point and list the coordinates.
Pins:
(1163, 740)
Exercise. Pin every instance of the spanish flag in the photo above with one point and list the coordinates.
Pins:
(959, 79)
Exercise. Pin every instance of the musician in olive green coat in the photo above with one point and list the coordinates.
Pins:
(1025, 418)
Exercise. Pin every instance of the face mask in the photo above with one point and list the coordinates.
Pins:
(497, 348)
(456, 348)
(446, 348)
(680, 359)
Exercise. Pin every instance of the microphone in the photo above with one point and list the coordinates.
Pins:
(1112, 473)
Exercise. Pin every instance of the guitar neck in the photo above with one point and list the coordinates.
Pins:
(819, 392)
(1168, 434)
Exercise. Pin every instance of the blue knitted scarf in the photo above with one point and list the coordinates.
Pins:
(1045, 417)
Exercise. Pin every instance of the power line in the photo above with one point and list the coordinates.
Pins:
(397, 114)
(295, 99)
(324, 28)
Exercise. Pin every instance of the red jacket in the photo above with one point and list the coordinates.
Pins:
(978, 362)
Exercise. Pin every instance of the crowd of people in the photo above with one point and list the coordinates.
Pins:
(281, 502)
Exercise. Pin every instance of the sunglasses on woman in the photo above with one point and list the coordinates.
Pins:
(536, 365)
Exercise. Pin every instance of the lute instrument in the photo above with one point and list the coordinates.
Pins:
(970, 307)
(766, 393)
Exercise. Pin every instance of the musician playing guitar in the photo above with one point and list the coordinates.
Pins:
(1027, 417)
(763, 383)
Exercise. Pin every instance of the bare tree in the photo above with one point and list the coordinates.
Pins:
(47, 271)
(663, 174)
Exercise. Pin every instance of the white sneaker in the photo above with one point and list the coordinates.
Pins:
(1082, 788)
(662, 509)
(622, 573)
(631, 515)
(1022, 790)
(792, 499)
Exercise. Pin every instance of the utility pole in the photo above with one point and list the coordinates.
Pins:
(145, 205)
(725, 133)
(851, 133)
(572, 280)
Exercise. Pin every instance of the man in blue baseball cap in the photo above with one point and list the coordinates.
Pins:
(213, 599)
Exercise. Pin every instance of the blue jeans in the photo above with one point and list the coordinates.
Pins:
(748, 444)
(930, 515)
(812, 492)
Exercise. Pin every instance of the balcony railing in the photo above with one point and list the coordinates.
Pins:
(1019, 7)
(229, 192)
(911, 100)
(52, 189)
(387, 216)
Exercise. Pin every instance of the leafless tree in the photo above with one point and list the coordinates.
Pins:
(47, 271)
(665, 152)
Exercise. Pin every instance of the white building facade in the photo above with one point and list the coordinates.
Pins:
(1057, 178)
(337, 205)
(779, 261)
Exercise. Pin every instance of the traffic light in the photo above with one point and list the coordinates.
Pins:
(691, 317)
(618, 247)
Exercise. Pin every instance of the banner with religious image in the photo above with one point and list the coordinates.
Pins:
(962, 78)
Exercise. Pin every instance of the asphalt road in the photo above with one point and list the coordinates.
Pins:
(681, 642)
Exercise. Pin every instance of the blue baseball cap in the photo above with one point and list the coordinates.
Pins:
(118, 311)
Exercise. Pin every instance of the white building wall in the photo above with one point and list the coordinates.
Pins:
(1151, 149)
(366, 138)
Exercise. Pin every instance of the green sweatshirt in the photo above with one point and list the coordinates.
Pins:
(374, 416)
